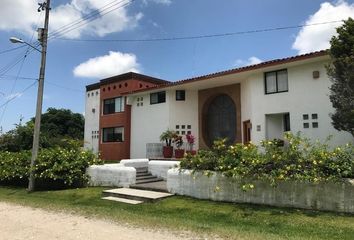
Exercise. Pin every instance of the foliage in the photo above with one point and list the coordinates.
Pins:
(64, 166)
(341, 72)
(298, 160)
(178, 140)
(167, 137)
(190, 140)
(59, 127)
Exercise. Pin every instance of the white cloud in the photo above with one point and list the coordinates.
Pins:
(250, 61)
(22, 16)
(316, 38)
(108, 65)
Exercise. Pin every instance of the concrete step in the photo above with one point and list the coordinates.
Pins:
(135, 194)
(140, 170)
(122, 200)
(149, 180)
(143, 174)
(153, 186)
(145, 177)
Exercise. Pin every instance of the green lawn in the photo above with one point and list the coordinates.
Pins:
(231, 221)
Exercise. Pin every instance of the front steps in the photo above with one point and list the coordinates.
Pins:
(133, 196)
(148, 188)
(143, 176)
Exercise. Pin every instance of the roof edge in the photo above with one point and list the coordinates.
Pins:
(265, 64)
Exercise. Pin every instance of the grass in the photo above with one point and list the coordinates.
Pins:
(230, 221)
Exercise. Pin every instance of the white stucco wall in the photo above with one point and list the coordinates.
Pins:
(305, 96)
(149, 121)
(92, 101)
(184, 113)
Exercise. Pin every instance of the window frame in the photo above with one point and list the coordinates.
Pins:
(106, 140)
(122, 107)
(276, 81)
(158, 97)
(183, 95)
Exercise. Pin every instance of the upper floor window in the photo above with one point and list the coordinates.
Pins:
(113, 134)
(158, 97)
(180, 95)
(276, 81)
(113, 105)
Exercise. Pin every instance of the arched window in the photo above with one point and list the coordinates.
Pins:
(220, 120)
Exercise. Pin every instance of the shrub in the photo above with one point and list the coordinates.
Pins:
(298, 159)
(55, 167)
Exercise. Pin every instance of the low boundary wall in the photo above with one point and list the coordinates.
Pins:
(328, 196)
(111, 175)
(160, 168)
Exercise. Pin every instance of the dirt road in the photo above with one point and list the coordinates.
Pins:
(24, 223)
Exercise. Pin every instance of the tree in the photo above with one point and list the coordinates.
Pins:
(59, 128)
(341, 72)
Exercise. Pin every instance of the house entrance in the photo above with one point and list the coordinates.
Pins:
(220, 120)
(247, 131)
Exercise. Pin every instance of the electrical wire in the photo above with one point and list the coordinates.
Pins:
(12, 49)
(90, 17)
(18, 95)
(201, 36)
(64, 87)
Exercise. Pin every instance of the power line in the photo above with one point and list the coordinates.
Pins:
(12, 49)
(90, 17)
(10, 77)
(18, 95)
(200, 36)
(82, 19)
(67, 88)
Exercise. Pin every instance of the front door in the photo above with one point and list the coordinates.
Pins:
(247, 126)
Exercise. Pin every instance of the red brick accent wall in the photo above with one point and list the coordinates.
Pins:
(118, 150)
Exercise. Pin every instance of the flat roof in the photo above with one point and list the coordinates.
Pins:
(126, 76)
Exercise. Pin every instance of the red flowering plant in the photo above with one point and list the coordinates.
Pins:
(190, 140)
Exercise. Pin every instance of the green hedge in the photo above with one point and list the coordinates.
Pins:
(55, 167)
(298, 159)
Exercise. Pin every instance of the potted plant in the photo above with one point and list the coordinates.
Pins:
(190, 140)
(178, 140)
(167, 137)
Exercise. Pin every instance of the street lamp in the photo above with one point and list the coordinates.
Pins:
(18, 40)
(43, 38)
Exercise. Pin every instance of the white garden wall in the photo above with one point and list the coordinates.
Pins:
(338, 197)
(92, 115)
(111, 175)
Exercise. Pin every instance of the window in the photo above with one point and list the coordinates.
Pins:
(180, 95)
(305, 116)
(276, 81)
(113, 105)
(286, 120)
(158, 97)
(315, 125)
(114, 134)
(314, 115)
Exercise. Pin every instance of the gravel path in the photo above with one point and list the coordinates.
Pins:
(20, 222)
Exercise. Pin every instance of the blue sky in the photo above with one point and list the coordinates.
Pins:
(73, 64)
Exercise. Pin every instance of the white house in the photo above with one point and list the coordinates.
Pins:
(92, 115)
(245, 104)
(251, 103)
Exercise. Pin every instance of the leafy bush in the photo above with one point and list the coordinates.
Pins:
(298, 159)
(58, 166)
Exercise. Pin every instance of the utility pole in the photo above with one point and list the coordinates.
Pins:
(43, 38)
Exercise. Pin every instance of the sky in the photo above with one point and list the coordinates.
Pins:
(73, 62)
